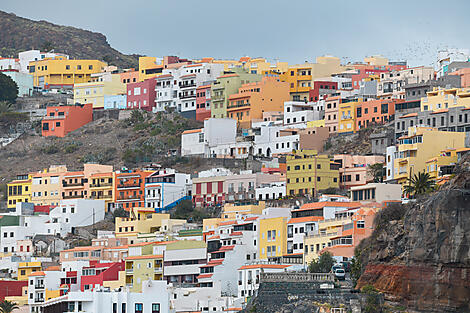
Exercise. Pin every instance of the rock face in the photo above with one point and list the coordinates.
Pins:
(24, 34)
(423, 258)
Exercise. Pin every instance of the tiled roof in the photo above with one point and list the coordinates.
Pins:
(53, 268)
(440, 111)
(228, 223)
(37, 274)
(305, 219)
(236, 233)
(213, 263)
(409, 115)
(204, 276)
(321, 205)
(228, 75)
(251, 266)
(143, 257)
(192, 131)
(213, 237)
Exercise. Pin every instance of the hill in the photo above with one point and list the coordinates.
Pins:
(19, 34)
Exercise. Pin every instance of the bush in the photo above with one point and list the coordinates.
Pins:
(392, 212)
(71, 148)
(323, 264)
(50, 149)
(120, 212)
(373, 300)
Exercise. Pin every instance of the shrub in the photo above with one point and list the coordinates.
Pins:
(50, 149)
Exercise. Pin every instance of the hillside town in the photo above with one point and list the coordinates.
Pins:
(305, 157)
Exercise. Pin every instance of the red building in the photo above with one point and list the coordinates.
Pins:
(375, 112)
(9, 288)
(321, 88)
(208, 191)
(365, 70)
(141, 95)
(203, 102)
(63, 119)
(97, 273)
(130, 189)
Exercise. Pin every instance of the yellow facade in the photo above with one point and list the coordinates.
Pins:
(327, 229)
(318, 123)
(142, 268)
(46, 187)
(231, 210)
(51, 294)
(26, 268)
(445, 98)
(445, 158)
(421, 144)
(377, 60)
(308, 172)
(272, 237)
(140, 221)
(301, 76)
(114, 284)
(347, 117)
(102, 187)
(62, 72)
(148, 68)
(262, 67)
(19, 190)
(95, 90)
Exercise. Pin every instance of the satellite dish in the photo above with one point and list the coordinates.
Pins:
(297, 202)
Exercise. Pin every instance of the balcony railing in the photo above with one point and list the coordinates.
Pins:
(101, 185)
(65, 184)
(39, 300)
(238, 105)
(158, 269)
(187, 96)
(40, 286)
(128, 185)
(129, 270)
(187, 86)
(72, 196)
(128, 197)
(102, 197)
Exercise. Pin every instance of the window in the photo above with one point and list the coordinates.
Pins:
(155, 307)
(139, 308)
(361, 224)
(123, 308)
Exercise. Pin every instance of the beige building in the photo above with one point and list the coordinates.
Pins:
(376, 192)
(391, 84)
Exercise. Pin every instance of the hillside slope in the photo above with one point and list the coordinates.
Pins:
(19, 34)
(420, 255)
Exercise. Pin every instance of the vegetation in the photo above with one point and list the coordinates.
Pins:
(323, 264)
(120, 212)
(5, 106)
(50, 149)
(377, 171)
(392, 212)
(373, 300)
(356, 266)
(185, 210)
(419, 184)
(8, 306)
(8, 89)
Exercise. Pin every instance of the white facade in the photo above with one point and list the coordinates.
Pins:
(269, 141)
(35, 55)
(296, 232)
(390, 161)
(193, 143)
(37, 286)
(249, 277)
(164, 188)
(376, 192)
(301, 112)
(154, 298)
(271, 191)
(9, 64)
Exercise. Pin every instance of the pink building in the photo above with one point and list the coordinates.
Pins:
(141, 95)
(354, 169)
(464, 74)
(203, 102)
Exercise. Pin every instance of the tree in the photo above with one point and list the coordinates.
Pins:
(377, 171)
(8, 88)
(419, 184)
(47, 46)
(323, 264)
(8, 306)
(5, 107)
(373, 300)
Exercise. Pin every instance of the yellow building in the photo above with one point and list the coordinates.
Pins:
(347, 116)
(60, 72)
(301, 76)
(114, 284)
(46, 187)
(308, 172)
(26, 268)
(149, 67)
(99, 86)
(231, 210)
(142, 268)
(318, 123)
(420, 145)
(102, 187)
(376, 60)
(327, 229)
(19, 190)
(272, 239)
(445, 98)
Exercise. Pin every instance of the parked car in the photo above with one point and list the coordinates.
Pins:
(340, 274)
(336, 266)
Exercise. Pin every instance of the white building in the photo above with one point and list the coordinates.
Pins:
(38, 283)
(301, 112)
(164, 189)
(271, 191)
(273, 139)
(447, 56)
(297, 228)
(154, 298)
(390, 161)
(35, 55)
(9, 64)
(376, 192)
(249, 277)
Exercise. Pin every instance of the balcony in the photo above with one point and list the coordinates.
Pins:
(102, 197)
(129, 270)
(136, 197)
(187, 96)
(72, 197)
(187, 85)
(234, 106)
(66, 185)
(123, 186)
(99, 185)
(158, 269)
(39, 300)
(39, 286)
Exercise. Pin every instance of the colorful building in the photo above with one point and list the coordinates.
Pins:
(420, 145)
(63, 119)
(60, 72)
(203, 102)
(19, 190)
(253, 99)
(332, 113)
(347, 111)
(130, 188)
(374, 112)
(149, 67)
(46, 186)
(129, 76)
(141, 95)
(308, 173)
(102, 187)
(439, 99)
(226, 85)
(27, 268)
(115, 102)
(97, 87)
(272, 238)
(354, 168)
(322, 88)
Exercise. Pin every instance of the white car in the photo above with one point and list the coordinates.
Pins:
(340, 274)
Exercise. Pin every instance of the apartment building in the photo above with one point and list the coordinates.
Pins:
(332, 113)
(63, 119)
(19, 190)
(354, 168)
(97, 87)
(203, 102)
(130, 188)
(441, 99)
(301, 112)
(375, 112)
(392, 84)
(141, 95)
(165, 188)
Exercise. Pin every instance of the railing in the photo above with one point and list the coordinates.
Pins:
(39, 286)
(39, 300)
(297, 277)
(187, 86)
(321, 235)
(128, 185)
(73, 197)
(187, 96)
(158, 269)
(128, 197)
(102, 197)
(238, 105)
(64, 184)
(129, 270)
(101, 185)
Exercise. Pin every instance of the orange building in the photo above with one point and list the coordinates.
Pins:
(464, 74)
(375, 112)
(130, 189)
(61, 120)
(131, 76)
(253, 99)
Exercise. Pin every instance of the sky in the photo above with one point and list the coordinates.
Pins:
(294, 31)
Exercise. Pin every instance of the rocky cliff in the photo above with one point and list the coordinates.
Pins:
(19, 34)
(419, 255)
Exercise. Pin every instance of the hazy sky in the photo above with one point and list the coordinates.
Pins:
(294, 31)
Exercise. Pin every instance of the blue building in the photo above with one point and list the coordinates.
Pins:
(115, 102)
(23, 80)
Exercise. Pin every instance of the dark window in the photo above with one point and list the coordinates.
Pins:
(155, 307)
(139, 308)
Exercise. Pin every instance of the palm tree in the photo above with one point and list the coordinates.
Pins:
(419, 184)
(5, 106)
(8, 306)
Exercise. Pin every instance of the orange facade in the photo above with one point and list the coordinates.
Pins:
(131, 76)
(375, 112)
(130, 189)
(253, 99)
(61, 120)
